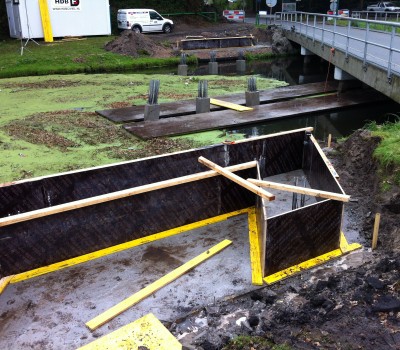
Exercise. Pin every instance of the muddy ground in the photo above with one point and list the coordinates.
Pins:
(167, 45)
(350, 304)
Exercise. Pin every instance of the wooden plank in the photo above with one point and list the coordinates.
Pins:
(260, 114)
(145, 333)
(325, 158)
(255, 250)
(4, 282)
(376, 230)
(230, 105)
(123, 246)
(251, 187)
(46, 22)
(301, 190)
(117, 195)
(186, 107)
(153, 287)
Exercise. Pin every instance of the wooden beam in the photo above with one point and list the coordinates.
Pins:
(302, 190)
(155, 286)
(242, 182)
(257, 274)
(4, 282)
(376, 230)
(9, 220)
(309, 128)
(230, 105)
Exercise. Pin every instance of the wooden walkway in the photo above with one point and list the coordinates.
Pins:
(227, 118)
(187, 107)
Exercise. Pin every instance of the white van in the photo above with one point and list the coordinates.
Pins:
(143, 20)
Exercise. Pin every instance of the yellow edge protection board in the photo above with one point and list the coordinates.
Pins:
(255, 249)
(4, 282)
(147, 332)
(230, 105)
(155, 286)
(308, 264)
(46, 22)
(120, 247)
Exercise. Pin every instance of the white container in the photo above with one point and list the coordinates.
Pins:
(67, 17)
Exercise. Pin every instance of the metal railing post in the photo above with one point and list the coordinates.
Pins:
(348, 39)
(307, 18)
(334, 31)
(389, 72)
(323, 31)
(366, 45)
(315, 26)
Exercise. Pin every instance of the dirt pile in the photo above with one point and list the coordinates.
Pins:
(165, 44)
(134, 44)
(358, 176)
(353, 303)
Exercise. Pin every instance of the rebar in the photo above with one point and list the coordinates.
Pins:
(252, 84)
(213, 56)
(294, 198)
(153, 92)
(183, 58)
(202, 90)
(303, 196)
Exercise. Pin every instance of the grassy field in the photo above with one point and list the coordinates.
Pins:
(48, 124)
(74, 56)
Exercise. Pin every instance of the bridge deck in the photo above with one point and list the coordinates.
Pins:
(227, 118)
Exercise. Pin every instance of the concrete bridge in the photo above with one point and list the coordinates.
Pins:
(359, 49)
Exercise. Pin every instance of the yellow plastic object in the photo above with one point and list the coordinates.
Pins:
(155, 286)
(255, 249)
(147, 332)
(308, 264)
(46, 22)
(120, 247)
(230, 105)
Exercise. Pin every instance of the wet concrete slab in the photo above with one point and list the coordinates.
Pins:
(50, 311)
(227, 118)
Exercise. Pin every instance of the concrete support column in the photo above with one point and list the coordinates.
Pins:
(152, 112)
(202, 104)
(182, 69)
(240, 66)
(213, 68)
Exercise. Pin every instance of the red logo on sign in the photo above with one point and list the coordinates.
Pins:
(74, 2)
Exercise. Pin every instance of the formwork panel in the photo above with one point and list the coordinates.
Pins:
(42, 241)
(318, 174)
(302, 234)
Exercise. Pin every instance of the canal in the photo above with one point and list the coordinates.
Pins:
(292, 70)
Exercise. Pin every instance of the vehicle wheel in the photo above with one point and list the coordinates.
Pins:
(167, 28)
(136, 29)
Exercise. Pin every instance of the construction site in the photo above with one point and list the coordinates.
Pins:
(260, 237)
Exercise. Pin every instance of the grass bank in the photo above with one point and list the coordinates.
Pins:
(48, 124)
(70, 56)
(388, 152)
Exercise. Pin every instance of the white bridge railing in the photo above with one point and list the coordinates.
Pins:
(374, 42)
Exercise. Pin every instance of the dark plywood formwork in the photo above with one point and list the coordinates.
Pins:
(57, 237)
(227, 118)
(216, 43)
(186, 107)
(302, 234)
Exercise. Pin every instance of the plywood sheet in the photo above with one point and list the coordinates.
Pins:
(224, 119)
